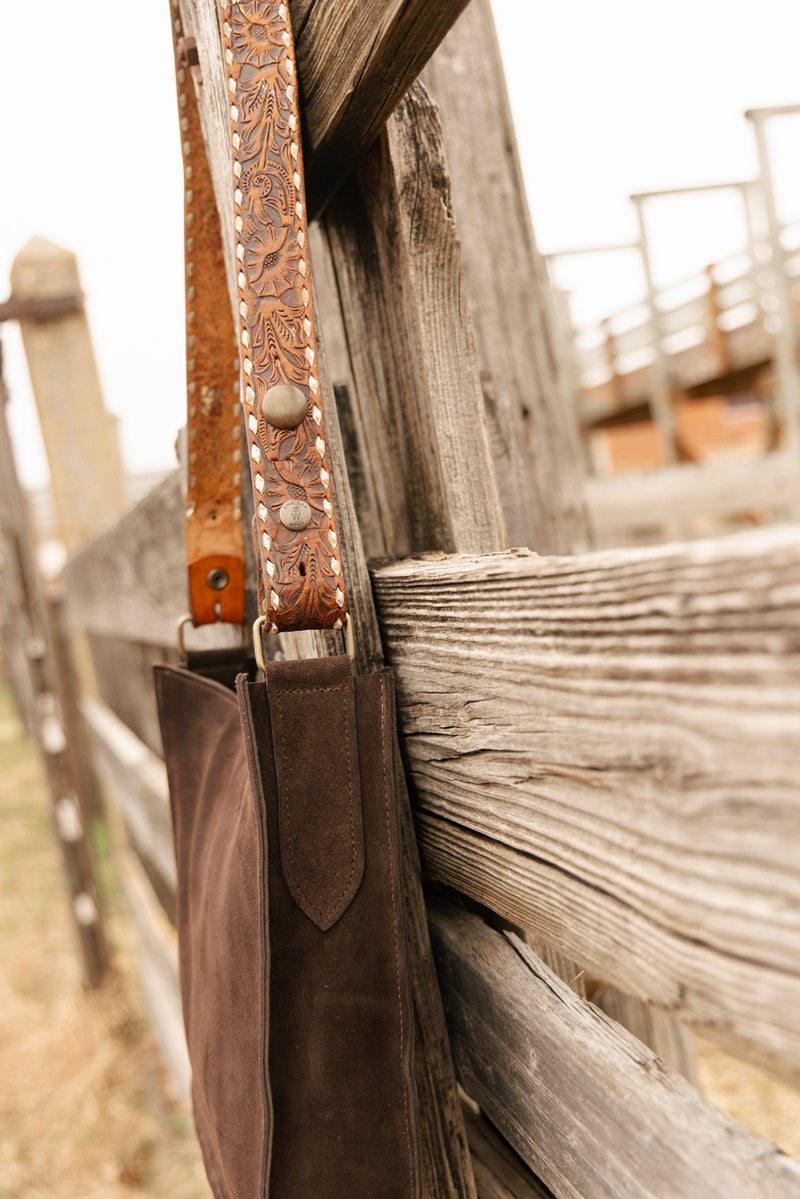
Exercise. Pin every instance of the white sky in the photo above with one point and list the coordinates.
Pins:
(609, 98)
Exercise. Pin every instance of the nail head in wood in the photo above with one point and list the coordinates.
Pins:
(284, 406)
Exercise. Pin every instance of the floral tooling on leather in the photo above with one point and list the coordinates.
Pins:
(301, 571)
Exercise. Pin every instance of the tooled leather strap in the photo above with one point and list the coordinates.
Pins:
(301, 581)
(303, 587)
(214, 537)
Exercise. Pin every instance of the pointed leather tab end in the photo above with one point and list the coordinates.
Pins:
(312, 711)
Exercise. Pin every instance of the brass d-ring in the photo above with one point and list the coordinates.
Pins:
(258, 644)
(349, 638)
(182, 623)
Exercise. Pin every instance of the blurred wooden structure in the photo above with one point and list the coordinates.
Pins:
(717, 330)
(704, 370)
(601, 748)
(79, 434)
(38, 660)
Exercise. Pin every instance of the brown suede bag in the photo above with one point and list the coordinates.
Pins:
(290, 920)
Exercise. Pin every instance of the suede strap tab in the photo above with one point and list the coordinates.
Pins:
(315, 742)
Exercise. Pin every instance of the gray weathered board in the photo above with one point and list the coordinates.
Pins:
(589, 1107)
(606, 750)
(754, 490)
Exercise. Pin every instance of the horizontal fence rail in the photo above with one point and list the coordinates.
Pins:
(717, 321)
(591, 1109)
(751, 488)
(606, 751)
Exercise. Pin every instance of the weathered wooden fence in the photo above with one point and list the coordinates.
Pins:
(602, 748)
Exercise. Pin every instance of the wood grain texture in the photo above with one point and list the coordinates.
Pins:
(586, 1105)
(499, 1172)
(417, 404)
(533, 427)
(605, 750)
(528, 400)
(665, 1035)
(80, 436)
(355, 60)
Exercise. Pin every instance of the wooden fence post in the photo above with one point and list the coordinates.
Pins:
(29, 622)
(660, 377)
(714, 334)
(534, 424)
(529, 408)
(79, 434)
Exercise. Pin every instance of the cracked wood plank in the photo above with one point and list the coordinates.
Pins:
(606, 751)
(410, 371)
(532, 423)
(590, 1109)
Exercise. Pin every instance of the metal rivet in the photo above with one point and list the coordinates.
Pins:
(217, 578)
(295, 514)
(284, 406)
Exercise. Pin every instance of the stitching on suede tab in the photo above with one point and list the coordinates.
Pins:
(323, 914)
(396, 928)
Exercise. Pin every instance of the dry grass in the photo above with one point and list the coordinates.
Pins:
(85, 1106)
(85, 1111)
(754, 1098)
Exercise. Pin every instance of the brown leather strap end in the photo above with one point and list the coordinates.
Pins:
(313, 716)
(214, 538)
(216, 588)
